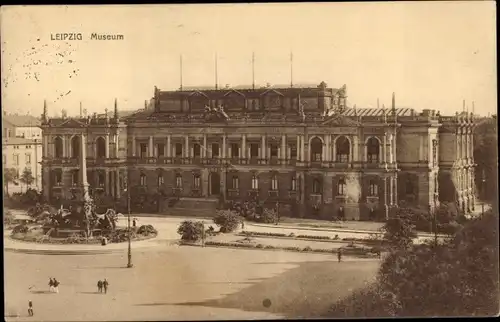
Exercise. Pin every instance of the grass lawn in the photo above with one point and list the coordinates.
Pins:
(181, 283)
(319, 223)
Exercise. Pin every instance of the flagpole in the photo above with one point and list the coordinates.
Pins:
(253, 70)
(291, 69)
(181, 70)
(216, 76)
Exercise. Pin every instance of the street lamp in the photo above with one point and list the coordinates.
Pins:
(483, 183)
(129, 263)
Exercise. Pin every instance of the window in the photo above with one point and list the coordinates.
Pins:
(100, 179)
(316, 186)
(373, 150)
(178, 180)
(75, 147)
(215, 150)
(434, 152)
(341, 187)
(143, 179)
(255, 182)
(409, 187)
(274, 150)
(293, 152)
(235, 150)
(101, 147)
(58, 178)
(178, 149)
(343, 149)
(293, 186)
(235, 182)
(160, 148)
(144, 150)
(28, 147)
(197, 181)
(58, 145)
(161, 181)
(74, 177)
(373, 188)
(28, 158)
(16, 159)
(197, 150)
(274, 183)
(316, 150)
(254, 150)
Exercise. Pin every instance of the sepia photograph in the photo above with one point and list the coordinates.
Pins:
(250, 161)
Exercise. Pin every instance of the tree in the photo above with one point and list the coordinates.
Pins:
(486, 157)
(9, 175)
(27, 177)
(227, 220)
(399, 230)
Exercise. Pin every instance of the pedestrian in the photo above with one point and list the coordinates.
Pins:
(30, 308)
(242, 224)
(56, 285)
(105, 285)
(134, 222)
(51, 285)
(99, 286)
(339, 254)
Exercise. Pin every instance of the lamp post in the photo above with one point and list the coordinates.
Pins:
(483, 183)
(129, 263)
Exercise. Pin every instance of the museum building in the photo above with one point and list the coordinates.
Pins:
(300, 148)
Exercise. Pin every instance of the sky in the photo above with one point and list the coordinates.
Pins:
(433, 55)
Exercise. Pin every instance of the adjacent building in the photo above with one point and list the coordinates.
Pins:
(300, 148)
(22, 149)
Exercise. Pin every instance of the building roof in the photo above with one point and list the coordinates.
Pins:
(22, 120)
(120, 113)
(21, 141)
(378, 111)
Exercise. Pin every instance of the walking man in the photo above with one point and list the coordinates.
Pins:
(105, 285)
(99, 286)
(339, 255)
(51, 285)
(30, 308)
(56, 285)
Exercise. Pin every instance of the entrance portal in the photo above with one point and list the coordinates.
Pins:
(214, 183)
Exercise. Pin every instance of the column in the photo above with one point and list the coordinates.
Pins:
(386, 208)
(298, 148)
(150, 147)
(106, 182)
(117, 146)
(385, 148)
(244, 146)
(391, 190)
(117, 183)
(45, 151)
(224, 147)
(134, 150)
(64, 146)
(283, 147)
(356, 148)
(107, 146)
(467, 149)
(169, 149)
(391, 156)
(302, 148)
(263, 148)
(396, 189)
(186, 146)
(204, 153)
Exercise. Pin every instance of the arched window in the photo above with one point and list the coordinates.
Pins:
(196, 150)
(178, 149)
(74, 177)
(316, 149)
(373, 150)
(143, 179)
(342, 147)
(255, 182)
(316, 188)
(178, 180)
(101, 147)
(341, 187)
(75, 146)
(373, 188)
(101, 178)
(58, 146)
(274, 183)
(196, 181)
(57, 177)
(161, 180)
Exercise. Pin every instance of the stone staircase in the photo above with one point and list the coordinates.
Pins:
(193, 207)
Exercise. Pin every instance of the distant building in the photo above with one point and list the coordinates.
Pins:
(299, 147)
(22, 148)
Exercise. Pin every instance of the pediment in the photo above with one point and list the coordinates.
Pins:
(271, 91)
(233, 92)
(339, 120)
(197, 94)
(72, 123)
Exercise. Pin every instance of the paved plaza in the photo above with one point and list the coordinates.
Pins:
(180, 282)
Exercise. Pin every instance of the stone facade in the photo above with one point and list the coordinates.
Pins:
(302, 148)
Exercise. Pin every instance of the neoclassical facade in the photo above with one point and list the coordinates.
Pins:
(302, 148)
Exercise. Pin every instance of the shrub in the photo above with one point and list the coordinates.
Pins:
(291, 235)
(258, 233)
(307, 249)
(227, 220)
(269, 216)
(259, 246)
(190, 230)
(120, 235)
(147, 230)
(296, 249)
(399, 230)
(20, 229)
(313, 237)
(270, 247)
(8, 218)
